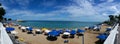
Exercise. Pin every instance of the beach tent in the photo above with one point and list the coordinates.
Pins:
(9, 29)
(72, 32)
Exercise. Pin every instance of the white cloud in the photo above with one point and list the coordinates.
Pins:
(110, 0)
(83, 11)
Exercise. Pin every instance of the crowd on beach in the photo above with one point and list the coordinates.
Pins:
(54, 33)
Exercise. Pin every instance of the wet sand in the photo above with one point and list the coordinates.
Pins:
(89, 37)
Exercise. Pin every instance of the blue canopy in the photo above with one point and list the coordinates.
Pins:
(72, 32)
(53, 33)
(79, 30)
(10, 29)
(102, 37)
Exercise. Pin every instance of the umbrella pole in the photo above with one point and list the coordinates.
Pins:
(83, 39)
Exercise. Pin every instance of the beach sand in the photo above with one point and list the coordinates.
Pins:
(89, 38)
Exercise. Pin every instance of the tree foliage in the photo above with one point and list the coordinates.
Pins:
(9, 19)
(113, 19)
(2, 12)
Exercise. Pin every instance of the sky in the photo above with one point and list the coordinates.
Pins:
(61, 10)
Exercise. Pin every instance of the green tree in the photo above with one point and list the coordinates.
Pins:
(111, 17)
(2, 12)
(119, 17)
(9, 19)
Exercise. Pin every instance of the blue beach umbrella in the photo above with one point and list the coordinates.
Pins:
(102, 37)
(53, 30)
(79, 30)
(60, 31)
(10, 29)
(30, 28)
(108, 29)
(53, 33)
(91, 27)
(67, 30)
(72, 32)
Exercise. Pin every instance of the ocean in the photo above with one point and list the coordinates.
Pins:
(57, 24)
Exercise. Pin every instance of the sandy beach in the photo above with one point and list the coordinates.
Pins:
(89, 37)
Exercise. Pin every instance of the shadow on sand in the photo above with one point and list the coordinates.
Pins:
(51, 38)
(99, 42)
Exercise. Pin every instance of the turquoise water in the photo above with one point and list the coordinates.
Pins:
(57, 24)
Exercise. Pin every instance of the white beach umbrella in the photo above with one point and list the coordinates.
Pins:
(14, 32)
(23, 27)
(66, 33)
(95, 27)
(37, 30)
(47, 31)
(86, 27)
(110, 27)
(27, 27)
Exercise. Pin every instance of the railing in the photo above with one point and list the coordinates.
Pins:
(5, 39)
(112, 36)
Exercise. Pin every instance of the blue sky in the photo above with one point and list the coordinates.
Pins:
(66, 10)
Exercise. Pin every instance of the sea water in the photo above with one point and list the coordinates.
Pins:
(57, 24)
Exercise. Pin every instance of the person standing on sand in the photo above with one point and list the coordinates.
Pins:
(66, 41)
